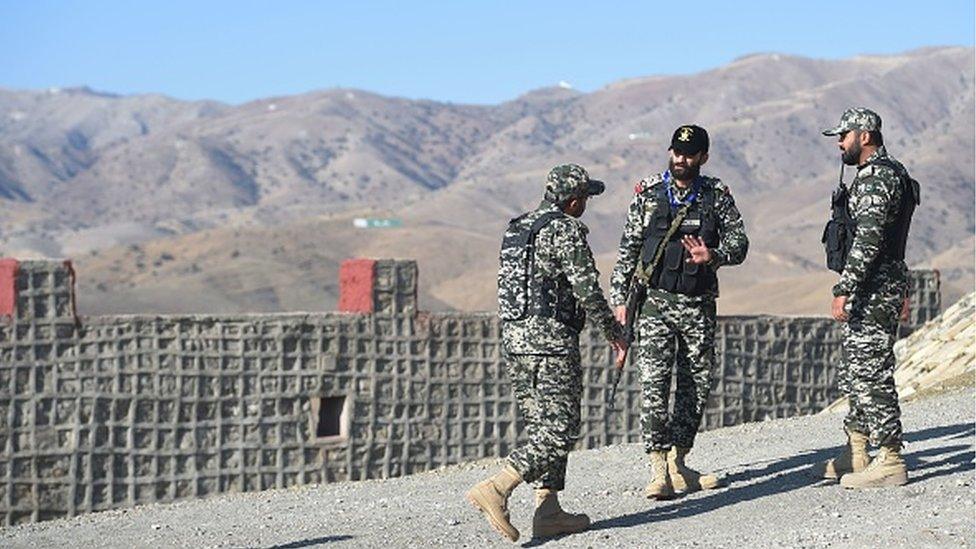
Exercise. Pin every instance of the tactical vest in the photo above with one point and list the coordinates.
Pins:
(674, 274)
(523, 290)
(838, 235)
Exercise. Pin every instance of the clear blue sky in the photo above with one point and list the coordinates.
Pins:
(460, 51)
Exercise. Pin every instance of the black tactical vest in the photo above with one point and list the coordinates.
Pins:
(523, 290)
(838, 235)
(674, 274)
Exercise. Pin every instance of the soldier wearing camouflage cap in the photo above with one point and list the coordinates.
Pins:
(856, 118)
(865, 242)
(568, 181)
(681, 228)
(547, 287)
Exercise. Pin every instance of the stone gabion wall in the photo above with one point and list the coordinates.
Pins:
(114, 411)
(926, 300)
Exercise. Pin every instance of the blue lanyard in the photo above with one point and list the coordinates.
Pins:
(675, 203)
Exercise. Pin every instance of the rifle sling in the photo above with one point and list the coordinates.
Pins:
(644, 274)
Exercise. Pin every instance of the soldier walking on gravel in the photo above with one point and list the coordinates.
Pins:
(681, 227)
(547, 285)
(865, 241)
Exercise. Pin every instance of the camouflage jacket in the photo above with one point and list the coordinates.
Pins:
(561, 249)
(874, 203)
(733, 243)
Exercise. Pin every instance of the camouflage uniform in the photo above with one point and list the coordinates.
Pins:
(876, 286)
(542, 354)
(672, 325)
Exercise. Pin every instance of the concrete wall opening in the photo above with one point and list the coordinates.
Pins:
(331, 417)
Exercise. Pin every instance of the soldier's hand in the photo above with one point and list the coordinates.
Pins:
(620, 348)
(619, 343)
(697, 249)
(620, 313)
(837, 308)
(906, 310)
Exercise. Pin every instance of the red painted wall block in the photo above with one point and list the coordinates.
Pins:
(8, 286)
(356, 280)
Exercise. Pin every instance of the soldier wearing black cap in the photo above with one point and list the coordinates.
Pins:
(681, 227)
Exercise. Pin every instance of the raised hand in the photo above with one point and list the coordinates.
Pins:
(697, 249)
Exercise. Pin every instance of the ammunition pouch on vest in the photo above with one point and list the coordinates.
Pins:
(838, 235)
(674, 274)
(522, 291)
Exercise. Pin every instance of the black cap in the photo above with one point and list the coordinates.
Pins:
(689, 140)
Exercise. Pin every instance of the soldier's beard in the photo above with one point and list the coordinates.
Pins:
(683, 173)
(852, 155)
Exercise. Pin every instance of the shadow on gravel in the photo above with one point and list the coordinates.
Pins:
(311, 542)
(784, 475)
(958, 430)
(961, 461)
(794, 472)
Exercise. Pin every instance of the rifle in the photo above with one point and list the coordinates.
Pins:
(638, 291)
(613, 392)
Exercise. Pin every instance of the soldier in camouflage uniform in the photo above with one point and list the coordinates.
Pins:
(690, 224)
(868, 298)
(540, 332)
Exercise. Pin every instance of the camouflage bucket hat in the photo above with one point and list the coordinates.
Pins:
(857, 118)
(569, 181)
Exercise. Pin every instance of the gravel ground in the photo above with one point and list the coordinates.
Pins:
(771, 500)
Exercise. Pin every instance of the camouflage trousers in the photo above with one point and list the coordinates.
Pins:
(674, 333)
(547, 389)
(867, 374)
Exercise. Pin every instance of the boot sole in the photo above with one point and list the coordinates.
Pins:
(887, 482)
(683, 493)
(698, 487)
(472, 498)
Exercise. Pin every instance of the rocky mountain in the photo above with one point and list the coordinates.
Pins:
(184, 206)
(48, 138)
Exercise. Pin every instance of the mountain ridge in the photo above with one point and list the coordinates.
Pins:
(82, 176)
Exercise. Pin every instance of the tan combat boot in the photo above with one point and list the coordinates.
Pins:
(660, 486)
(886, 469)
(852, 459)
(686, 479)
(491, 498)
(551, 520)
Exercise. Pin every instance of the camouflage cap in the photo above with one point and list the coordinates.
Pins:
(856, 118)
(569, 181)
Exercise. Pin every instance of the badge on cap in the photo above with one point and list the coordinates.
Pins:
(685, 134)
